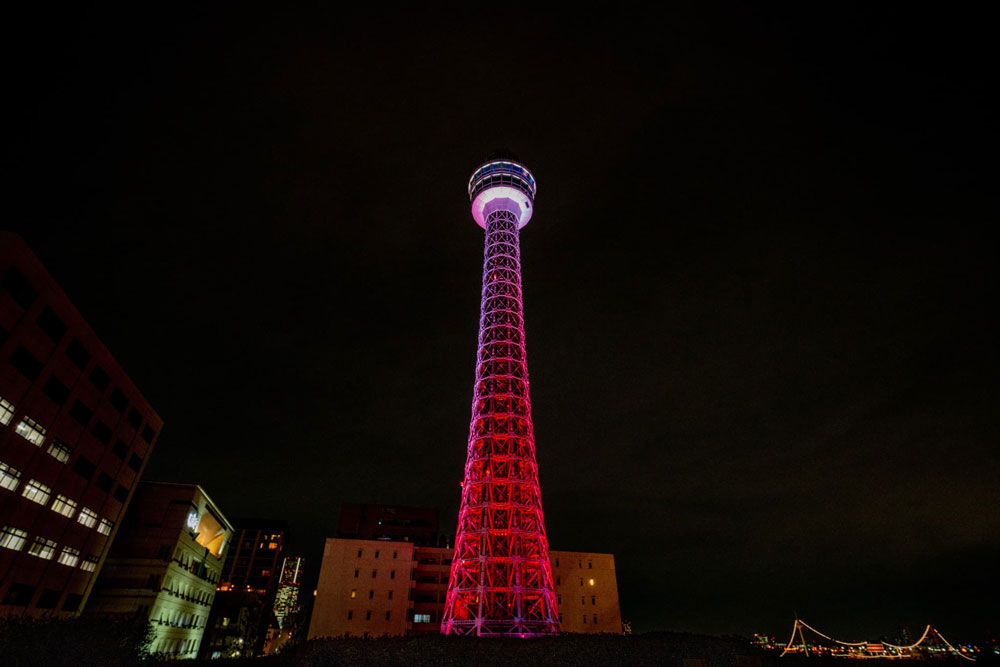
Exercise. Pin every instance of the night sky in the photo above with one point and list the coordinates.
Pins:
(759, 284)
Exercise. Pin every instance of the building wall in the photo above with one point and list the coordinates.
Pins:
(360, 582)
(73, 426)
(420, 585)
(586, 592)
(163, 569)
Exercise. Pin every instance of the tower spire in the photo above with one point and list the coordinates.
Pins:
(501, 578)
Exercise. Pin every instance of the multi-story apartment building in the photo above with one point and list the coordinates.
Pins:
(377, 587)
(165, 564)
(75, 435)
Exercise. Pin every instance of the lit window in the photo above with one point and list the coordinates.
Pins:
(6, 411)
(69, 557)
(354, 594)
(64, 505)
(8, 477)
(59, 450)
(105, 527)
(42, 548)
(12, 538)
(591, 582)
(87, 517)
(272, 545)
(37, 492)
(31, 431)
(421, 618)
(89, 564)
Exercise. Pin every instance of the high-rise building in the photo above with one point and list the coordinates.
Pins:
(165, 564)
(374, 587)
(501, 578)
(286, 600)
(75, 435)
(244, 604)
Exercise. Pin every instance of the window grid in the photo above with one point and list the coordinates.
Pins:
(9, 478)
(31, 431)
(59, 450)
(42, 548)
(37, 492)
(87, 517)
(63, 505)
(69, 557)
(12, 538)
(6, 411)
(105, 527)
(89, 564)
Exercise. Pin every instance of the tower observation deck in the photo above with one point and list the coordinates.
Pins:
(501, 579)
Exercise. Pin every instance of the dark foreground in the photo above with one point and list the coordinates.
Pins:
(91, 642)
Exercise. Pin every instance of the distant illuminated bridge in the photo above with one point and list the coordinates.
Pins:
(930, 645)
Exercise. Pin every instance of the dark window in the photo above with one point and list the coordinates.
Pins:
(135, 462)
(84, 468)
(390, 595)
(359, 553)
(376, 554)
(374, 572)
(121, 494)
(80, 412)
(368, 615)
(355, 574)
(118, 400)
(56, 390)
(148, 433)
(25, 363)
(395, 553)
(53, 327)
(76, 353)
(48, 599)
(392, 575)
(371, 594)
(350, 614)
(120, 449)
(134, 418)
(387, 615)
(19, 288)
(99, 378)
(72, 602)
(104, 482)
(19, 595)
(102, 432)
(593, 600)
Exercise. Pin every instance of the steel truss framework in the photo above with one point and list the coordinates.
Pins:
(501, 578)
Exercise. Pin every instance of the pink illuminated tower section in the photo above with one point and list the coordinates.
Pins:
(501, 579)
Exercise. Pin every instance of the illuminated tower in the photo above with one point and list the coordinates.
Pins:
(501, 579)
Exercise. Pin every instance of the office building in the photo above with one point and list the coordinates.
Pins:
(165, 564)
(244, 604)
(376, 587)
(75, 435)
(286, 600)
(367, 521)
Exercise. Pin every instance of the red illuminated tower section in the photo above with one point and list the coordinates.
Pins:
(501, 579)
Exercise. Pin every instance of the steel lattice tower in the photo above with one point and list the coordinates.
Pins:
(501, 578)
